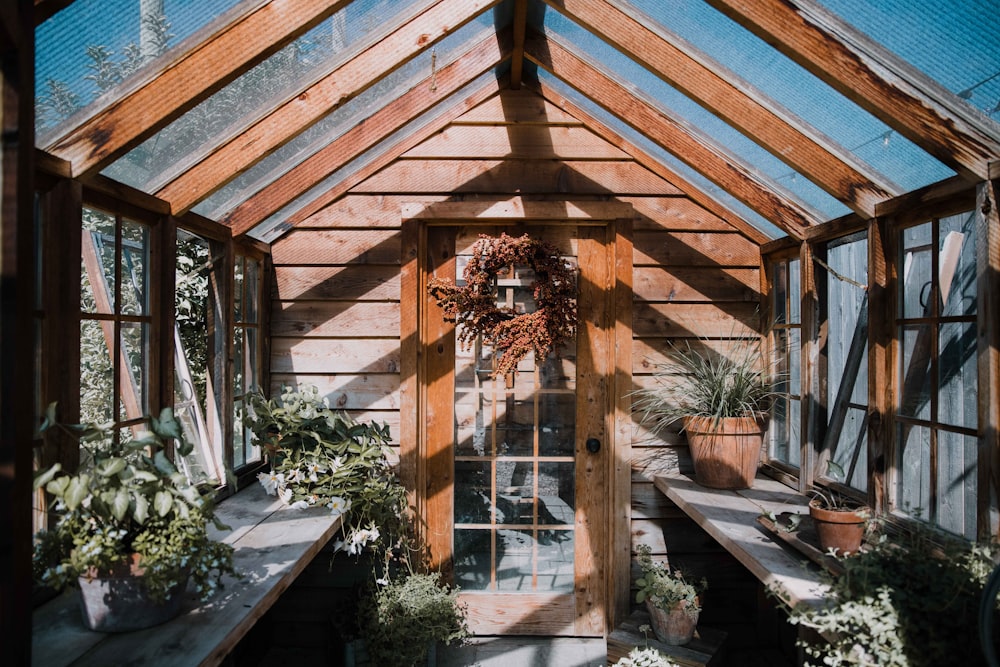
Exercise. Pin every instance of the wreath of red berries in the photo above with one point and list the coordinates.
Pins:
(474, 305)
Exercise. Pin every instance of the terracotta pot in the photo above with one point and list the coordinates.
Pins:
(841, 529)
(726, 452)
(674, 626)
(119, 601)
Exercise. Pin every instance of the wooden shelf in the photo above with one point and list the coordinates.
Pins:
(273, 543)
(704, 650)
(730, 517)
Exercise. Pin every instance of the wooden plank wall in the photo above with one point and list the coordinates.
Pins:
(336, 295)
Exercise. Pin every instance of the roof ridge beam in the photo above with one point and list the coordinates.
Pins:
(327, 94)
(184, 80)
(370, 131)
(786, 136)
(875, 79)
(673, 135)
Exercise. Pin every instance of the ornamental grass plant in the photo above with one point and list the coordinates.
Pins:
(701, 382)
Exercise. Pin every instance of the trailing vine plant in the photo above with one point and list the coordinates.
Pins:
(474, 305)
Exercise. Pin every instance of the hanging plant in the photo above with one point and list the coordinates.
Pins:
(474, 305)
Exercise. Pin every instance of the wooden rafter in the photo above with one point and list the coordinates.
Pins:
(672, 135)
(520, 28)
(491, 87)
(331, 92)
(696, 194)
(790, 139)
(369, 132)
(180, 83)
(902, 97)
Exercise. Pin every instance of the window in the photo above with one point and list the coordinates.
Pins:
(784, 435)
(247, 346)
(935, 416)
(842, 280)
(194, 348)
(115, 320)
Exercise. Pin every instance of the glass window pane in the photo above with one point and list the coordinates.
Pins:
(779, 291)
(795, 361)
(555, 560)
(133, 381)
(914, 371)
(251, 290)
(96, 373)
(98, 266)
(472, 492)
(915, 283)
(238, 292)
(913, 486)
(515, 487)
(515, 560)
(556, 493)
(794, 291)
(778, 430)
(956, 483)
(850, 449)
(557, 419)
(474, 549)
(958, 380)
(135, 268)
(957, 265)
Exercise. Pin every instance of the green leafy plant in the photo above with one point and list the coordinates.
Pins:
(320, 457)
(665, 588)
(828, 499)
(703, 383)
(405, 613)
(910, 602)
(127, 499)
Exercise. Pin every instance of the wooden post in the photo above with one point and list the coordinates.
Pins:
(988, 337)
(17, 326)
(880, 336)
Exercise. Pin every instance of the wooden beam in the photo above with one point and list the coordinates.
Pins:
(696, 194)
(899, 95)
(673, 135)
(328, 94)
(46, 8)
(520, 28)
(832, 167)
(185, 80)
(368, 132)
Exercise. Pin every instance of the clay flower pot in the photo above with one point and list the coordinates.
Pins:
(841, 529)
(726, 452)
(674, 626)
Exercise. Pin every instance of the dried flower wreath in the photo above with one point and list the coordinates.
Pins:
(474, 305)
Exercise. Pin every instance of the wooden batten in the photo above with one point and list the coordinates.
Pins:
(988, 351)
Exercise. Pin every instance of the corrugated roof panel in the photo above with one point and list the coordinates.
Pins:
(275, 225)
(955, 42)
(92, 45)
(346, 116)
(255, 93)
(796, 89)
(646, 85)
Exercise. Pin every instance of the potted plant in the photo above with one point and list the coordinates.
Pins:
(840, 522)
(130, 529)
(721, 400)
(321, 457)
(673, 602)
(404, 617)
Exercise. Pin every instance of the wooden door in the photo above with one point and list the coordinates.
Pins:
(515, 503)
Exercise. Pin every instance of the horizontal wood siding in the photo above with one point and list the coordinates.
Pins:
(336, 300)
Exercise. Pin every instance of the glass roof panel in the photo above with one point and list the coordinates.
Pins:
(646, 85)
(644, 143)
(275, 225)
(255, 93)
(345, 117)
(796, 89)
(90, 46)
(955, 42)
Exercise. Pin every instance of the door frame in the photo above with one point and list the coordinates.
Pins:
(425, 475)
